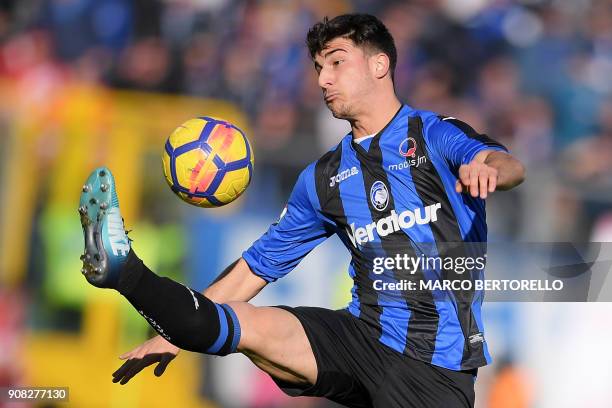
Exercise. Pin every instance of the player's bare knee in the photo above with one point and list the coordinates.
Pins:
(266, 330)
(252, 330)
(275, 341)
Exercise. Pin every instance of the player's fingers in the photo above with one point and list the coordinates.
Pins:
(483, 179)
(117, 375)
(458, 186)
(135, 369)
(166, 358)
(474, 181)
(140, 365)
(464, 175)
(492, 181)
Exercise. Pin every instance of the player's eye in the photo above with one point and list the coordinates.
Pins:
(337, 62)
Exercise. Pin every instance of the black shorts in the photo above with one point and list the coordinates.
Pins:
(356, 370)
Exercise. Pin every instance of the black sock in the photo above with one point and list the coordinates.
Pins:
(183, 316)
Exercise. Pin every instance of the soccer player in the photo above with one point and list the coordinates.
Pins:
(402, 184)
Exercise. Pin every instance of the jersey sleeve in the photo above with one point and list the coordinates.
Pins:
(458, 142)
(287, 242)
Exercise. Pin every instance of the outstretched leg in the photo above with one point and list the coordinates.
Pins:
(273, 338)
(181, 315)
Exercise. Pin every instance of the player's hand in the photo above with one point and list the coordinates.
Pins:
(477, 178)
(155, 350)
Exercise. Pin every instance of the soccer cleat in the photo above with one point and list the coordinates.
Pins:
(106, 243)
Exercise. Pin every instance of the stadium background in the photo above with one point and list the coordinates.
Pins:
(86, 82)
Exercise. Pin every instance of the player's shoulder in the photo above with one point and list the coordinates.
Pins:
(311, 184)
(321, 166)
(329, 161)
(316, 176)
(438, 128)
(435, 123)
(429, 118)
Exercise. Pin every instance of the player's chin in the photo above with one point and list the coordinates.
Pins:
(336, 114)
(339, 112)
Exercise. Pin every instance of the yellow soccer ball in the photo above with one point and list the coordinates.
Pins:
(208, 162)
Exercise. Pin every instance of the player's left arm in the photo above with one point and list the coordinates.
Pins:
(482, 165)
(490, 170)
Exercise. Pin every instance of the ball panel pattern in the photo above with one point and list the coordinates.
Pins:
(208, 162)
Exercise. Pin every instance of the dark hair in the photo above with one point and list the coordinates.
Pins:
(364, 30)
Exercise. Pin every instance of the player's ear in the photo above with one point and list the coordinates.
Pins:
(380, 63)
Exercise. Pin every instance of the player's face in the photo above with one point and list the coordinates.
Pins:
(346, 78)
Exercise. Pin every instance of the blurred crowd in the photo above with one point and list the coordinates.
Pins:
(534, 74)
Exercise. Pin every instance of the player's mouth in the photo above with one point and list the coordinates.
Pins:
(330, 97)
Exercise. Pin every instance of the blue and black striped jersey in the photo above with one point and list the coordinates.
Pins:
(391, 199)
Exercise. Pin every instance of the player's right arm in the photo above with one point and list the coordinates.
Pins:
(237, 283)
(276, 253)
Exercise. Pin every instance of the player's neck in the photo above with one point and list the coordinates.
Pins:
(375, 118)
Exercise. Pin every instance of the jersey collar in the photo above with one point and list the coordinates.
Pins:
(358, 147)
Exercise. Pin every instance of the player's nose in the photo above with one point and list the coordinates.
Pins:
(325, 79)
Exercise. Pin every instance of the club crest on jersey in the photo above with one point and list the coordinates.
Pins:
(343, 175)
(379, 195)
(408, 147)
